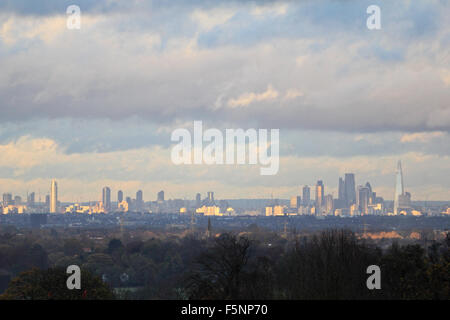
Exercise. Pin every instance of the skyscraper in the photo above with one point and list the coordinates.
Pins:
(306, 195)
(350, 191)
(210, 198)
(106, 198)
(31, 199)
(329, 205)
(341, 193)
(363, 200)
(139, 200)
(119, 196)
(319, 194)
(7, 199)
(295, 202)
(160, 197)
(402, 199)
(198, 200)
(54, 197)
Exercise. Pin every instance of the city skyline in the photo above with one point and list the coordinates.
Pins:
(345, 98)
(347, 193)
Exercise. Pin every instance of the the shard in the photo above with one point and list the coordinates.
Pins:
(399, 189)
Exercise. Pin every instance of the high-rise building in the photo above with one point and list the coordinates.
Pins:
(160, 197)
(319, 194)
(7, 199)
(402, 199)
(106, 198)
(47, 201)
(295, 202)
(210, 197)
(31, 199)
(306, 195)
(54, 197)
(341, 194)
(198, 200)
(350, 191)
(139, 200)
(329, 205)
(129, 203)
(119, 196)
(363, 199)
(372, 194)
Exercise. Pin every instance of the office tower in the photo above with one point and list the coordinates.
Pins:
(31, 199)
(54, 197)
(350, 191)
(119, 196)
(7, 199)
(319, 194)
(295, 202)
(129, 203)
(106, 198)
(47, 201)
(17, 200)
(210, 197)
(402, 199)
(371, 193)
(341, 194)
(198, 200)
(160, 196)
(363, 199)
(329, 205)
(306, 195)
(139, 200)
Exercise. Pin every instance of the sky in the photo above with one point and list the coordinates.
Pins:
(95, 106)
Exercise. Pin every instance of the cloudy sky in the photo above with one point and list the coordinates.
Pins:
(96, 106)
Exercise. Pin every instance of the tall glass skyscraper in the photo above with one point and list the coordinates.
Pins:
(399, 188)
(306, 195)
(350, 190)
(106, 198)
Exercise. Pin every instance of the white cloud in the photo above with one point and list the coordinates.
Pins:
(421, 136)
(251, 97)
(272, 9)
(208, 19)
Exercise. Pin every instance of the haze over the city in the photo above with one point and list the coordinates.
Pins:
(95, 107)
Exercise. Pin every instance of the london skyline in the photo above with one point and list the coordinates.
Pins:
(95, 107)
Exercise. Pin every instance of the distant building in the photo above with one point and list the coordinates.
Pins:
(47, 201)
(295, 202)
(123, 206)
(17, 200)
(54, 197)
(139, 200)
(306, 195)
(209, 211)
(319, 194)
(160, 197)
(402, 199)
(31, 200)
(198, 200)
(329, 205)
(210, 198)
(119, 196)
(341, 193)
(363, 200)
(7, 199)
(106, 198)
(350, 190)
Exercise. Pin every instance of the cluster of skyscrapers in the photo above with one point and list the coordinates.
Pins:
(352, 200)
